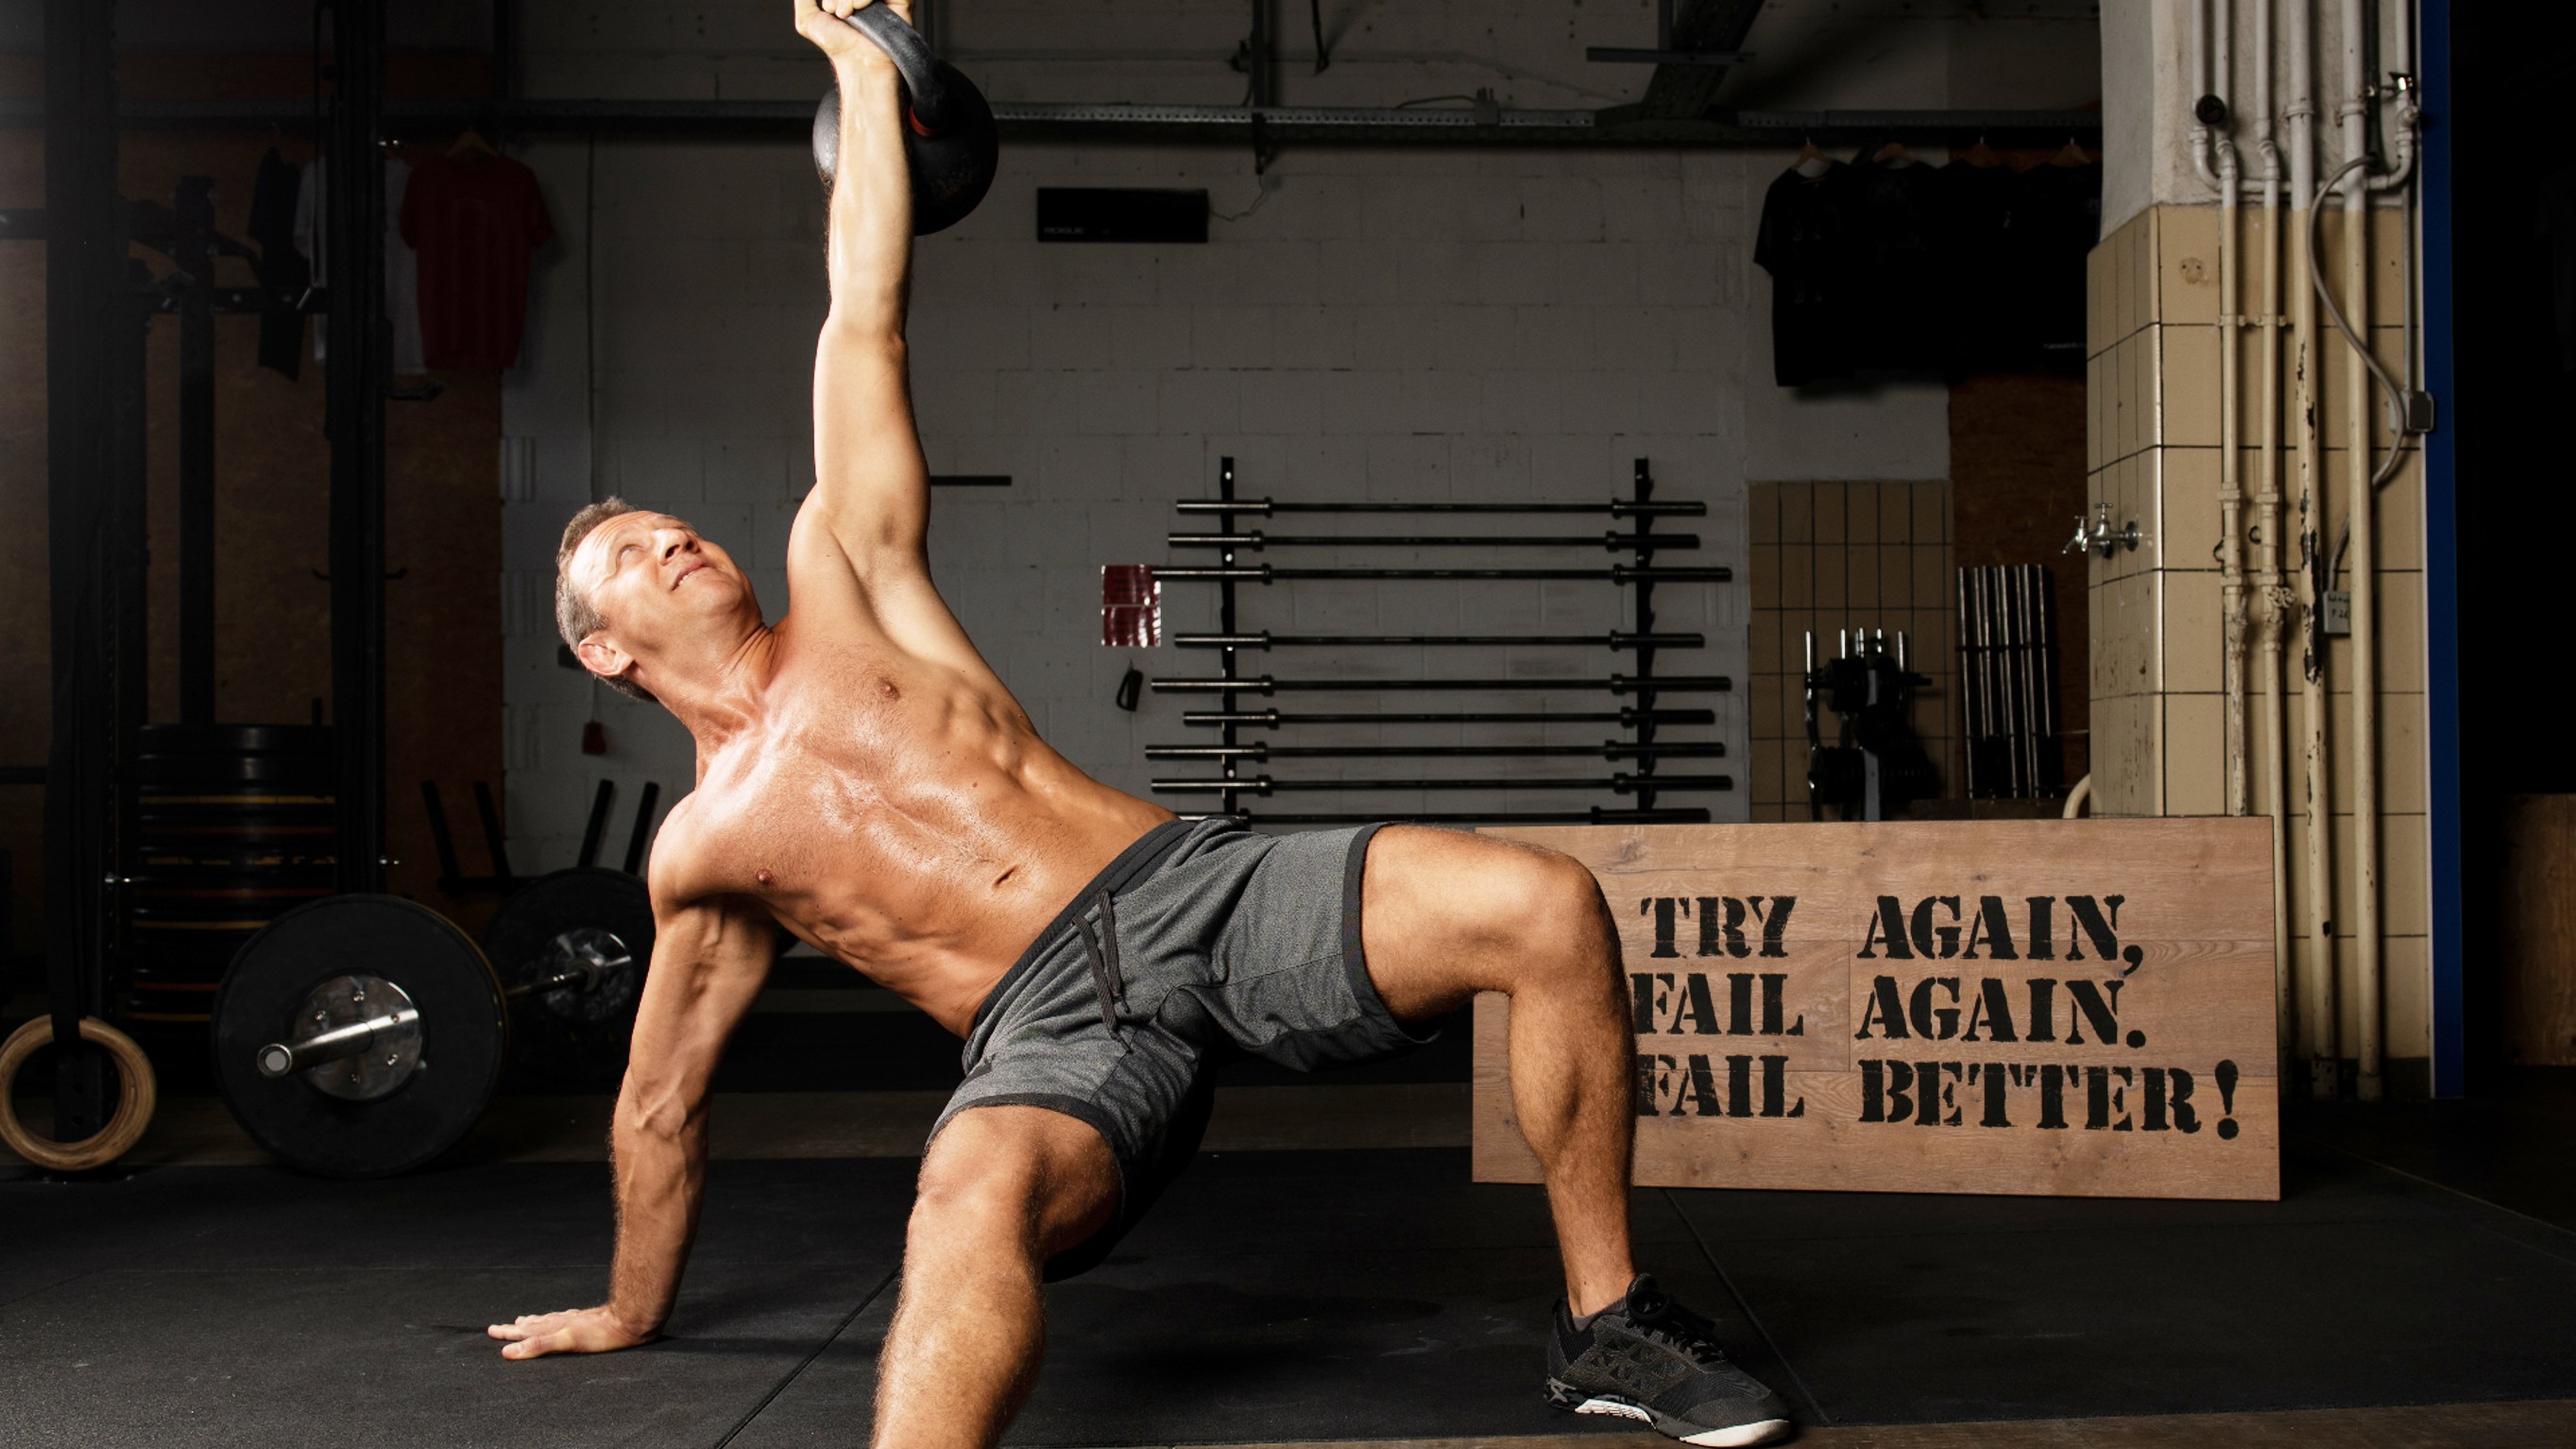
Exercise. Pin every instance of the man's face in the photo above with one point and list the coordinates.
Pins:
(656, 583)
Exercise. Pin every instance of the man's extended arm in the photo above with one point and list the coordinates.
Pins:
(858, 549)
(708, 964)
(871, 487)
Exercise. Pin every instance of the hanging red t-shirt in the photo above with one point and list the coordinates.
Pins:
(474, 222)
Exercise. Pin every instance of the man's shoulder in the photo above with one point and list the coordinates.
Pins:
(675, 871)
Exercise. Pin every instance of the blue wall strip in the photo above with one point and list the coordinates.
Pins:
(2441, 554)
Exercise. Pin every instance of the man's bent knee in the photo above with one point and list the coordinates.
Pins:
(1563, 923)
(1015, 1178)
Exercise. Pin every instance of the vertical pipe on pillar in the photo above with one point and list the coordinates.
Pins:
(355, 409)
(2322, 1017)
(2359, 517)
(2231, 480)
(2272, 595)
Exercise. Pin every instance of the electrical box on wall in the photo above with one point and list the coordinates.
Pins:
(1106, 214)
(2337, 613)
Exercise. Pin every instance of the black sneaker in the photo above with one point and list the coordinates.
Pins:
(1648, 1358)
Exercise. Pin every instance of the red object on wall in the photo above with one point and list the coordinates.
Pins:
(474, 222)
(1131, 606)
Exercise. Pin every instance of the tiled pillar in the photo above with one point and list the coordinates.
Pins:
(2158, 635)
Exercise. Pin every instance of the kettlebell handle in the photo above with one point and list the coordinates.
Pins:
(912, 59)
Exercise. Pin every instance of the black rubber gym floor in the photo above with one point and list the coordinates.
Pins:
(1359, 1294)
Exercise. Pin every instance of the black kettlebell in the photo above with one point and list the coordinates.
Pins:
(950, 141)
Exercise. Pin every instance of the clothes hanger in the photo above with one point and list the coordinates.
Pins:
(1982, 155)
(1811, 163)
(470, 143)
(1893, 154)
(2070, 155)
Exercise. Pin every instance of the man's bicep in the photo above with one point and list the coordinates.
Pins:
(871, 484)
(889, 596)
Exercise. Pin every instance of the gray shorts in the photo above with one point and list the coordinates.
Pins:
(1200, 941)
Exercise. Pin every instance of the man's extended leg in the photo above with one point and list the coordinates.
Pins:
(1444, 915)
(1002, 1189)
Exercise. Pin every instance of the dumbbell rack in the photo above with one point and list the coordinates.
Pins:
(1635, 698)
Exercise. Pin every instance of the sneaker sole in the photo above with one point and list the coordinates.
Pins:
(1735, 1436)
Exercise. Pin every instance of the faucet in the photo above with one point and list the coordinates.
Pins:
(2101, 537)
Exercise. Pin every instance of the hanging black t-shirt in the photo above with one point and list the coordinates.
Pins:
(1900, 288)
(1985, 245)
(1808, 241)
(2063, 205)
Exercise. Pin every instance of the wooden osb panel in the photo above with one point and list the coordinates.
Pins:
(2070, 1008)
(2539, 914)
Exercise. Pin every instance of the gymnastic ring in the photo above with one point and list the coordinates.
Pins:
(133, 1106)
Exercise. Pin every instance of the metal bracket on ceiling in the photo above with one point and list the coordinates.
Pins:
(1664, 52)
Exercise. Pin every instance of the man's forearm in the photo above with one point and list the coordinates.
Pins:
(871, 210)
(659, 1176)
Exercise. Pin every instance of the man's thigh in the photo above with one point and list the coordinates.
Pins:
(1058, 1168)
(1445, 914)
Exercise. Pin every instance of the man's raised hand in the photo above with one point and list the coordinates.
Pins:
(827, 24)
(575, 1330)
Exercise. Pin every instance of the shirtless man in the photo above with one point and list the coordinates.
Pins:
(864, 779)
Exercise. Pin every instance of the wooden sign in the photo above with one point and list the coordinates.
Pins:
(2076, 1007)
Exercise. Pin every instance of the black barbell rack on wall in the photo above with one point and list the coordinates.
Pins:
(1639, 690)
(1264, 639)
(1274, 718)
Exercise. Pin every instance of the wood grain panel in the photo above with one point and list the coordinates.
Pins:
(2539, 916)
(2036, 1007)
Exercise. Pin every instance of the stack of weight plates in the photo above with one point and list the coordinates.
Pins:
(234, 826)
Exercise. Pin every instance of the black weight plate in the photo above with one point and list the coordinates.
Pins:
(569, 1035)
(464, 1034)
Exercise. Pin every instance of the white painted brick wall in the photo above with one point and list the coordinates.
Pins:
(1425, 324)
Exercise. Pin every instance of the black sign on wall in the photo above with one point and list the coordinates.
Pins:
(1104, 214)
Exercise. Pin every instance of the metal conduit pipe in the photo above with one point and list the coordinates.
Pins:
(2231, 481)
(2272, 597)
(2321, 997)
(2402, 77)
(2360, 517)
(2211, 64)
(2358, 537)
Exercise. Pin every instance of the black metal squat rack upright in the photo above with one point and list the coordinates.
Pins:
(1635, 698)
(95, 309)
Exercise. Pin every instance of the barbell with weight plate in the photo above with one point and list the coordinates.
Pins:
(571, 949)
(398, 1026)
(389, 1015)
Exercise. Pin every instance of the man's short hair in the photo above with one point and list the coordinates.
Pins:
(575, 616)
